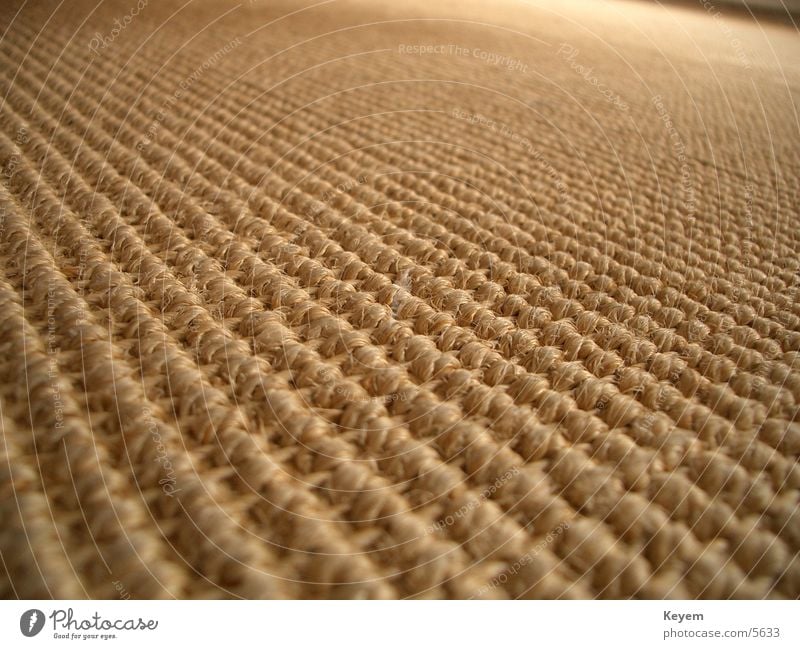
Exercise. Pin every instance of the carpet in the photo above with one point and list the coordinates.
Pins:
(398, 300)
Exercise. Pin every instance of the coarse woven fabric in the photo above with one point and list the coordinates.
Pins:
(388, 300)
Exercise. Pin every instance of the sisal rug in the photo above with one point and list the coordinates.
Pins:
(383, 300)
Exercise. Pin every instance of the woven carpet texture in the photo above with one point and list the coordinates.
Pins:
(356, 299)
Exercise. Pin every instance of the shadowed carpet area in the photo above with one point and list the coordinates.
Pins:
(384, 300)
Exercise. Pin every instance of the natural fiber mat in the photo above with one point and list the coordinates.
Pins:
(384, 300)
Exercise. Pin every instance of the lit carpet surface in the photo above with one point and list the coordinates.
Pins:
(392, 300)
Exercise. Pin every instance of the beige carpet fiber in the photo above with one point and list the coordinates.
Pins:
(398, 299)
